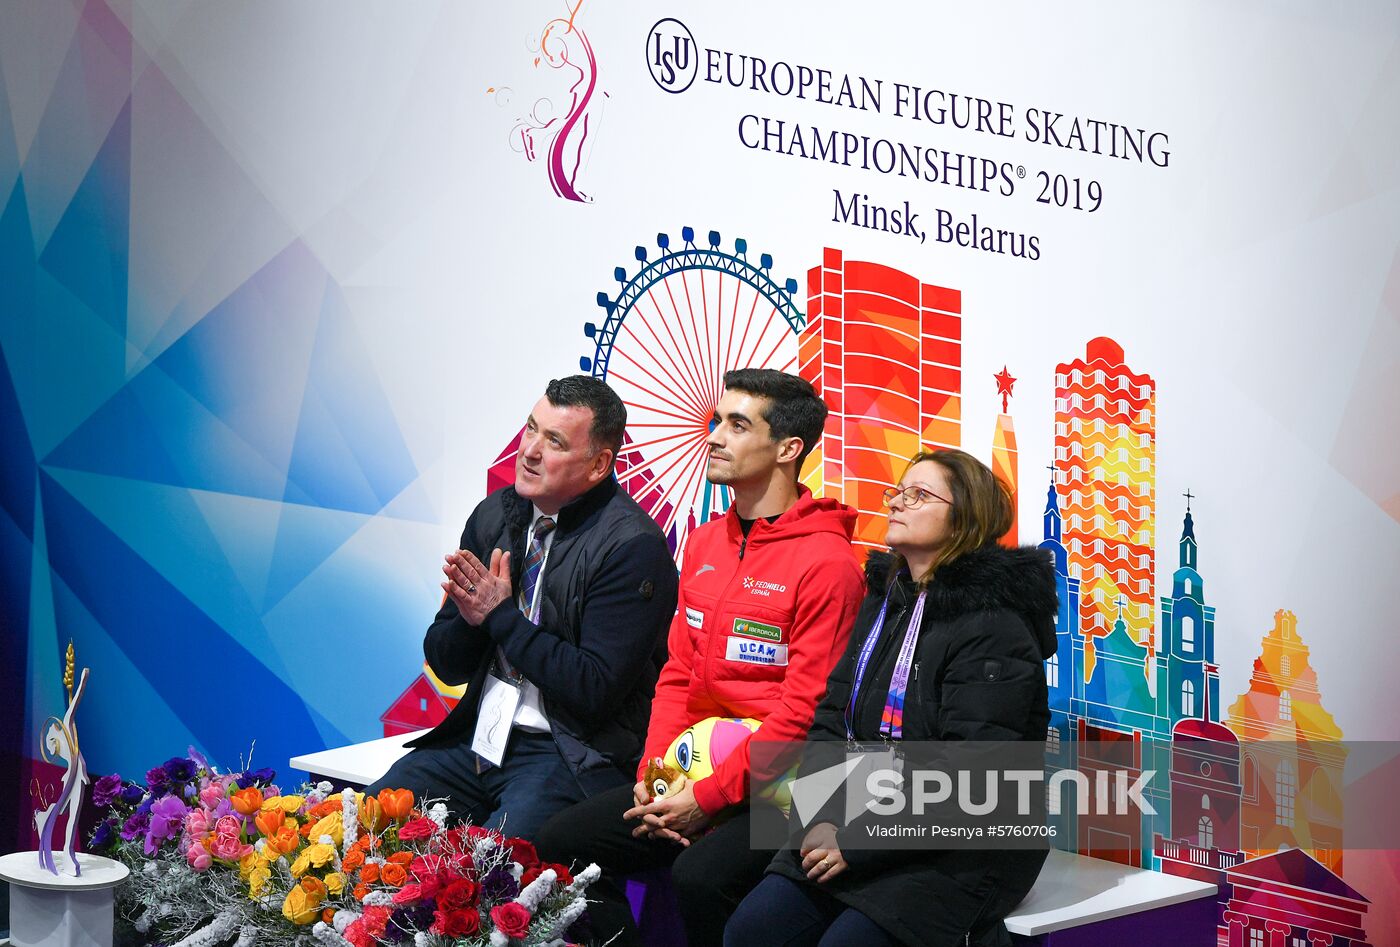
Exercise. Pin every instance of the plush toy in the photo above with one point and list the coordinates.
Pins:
(698, 750)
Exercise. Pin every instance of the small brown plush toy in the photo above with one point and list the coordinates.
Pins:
(662, 780)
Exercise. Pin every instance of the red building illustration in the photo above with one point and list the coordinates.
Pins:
(884, 350)
(426, 703)
(1005, 461)
(1289, 899)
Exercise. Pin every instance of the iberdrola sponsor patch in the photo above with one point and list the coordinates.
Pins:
(757, 629)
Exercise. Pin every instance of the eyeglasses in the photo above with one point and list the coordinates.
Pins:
(913, 496)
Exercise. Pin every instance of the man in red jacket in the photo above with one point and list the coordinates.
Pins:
(768, 595)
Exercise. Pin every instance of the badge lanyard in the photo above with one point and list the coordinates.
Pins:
(892, 720)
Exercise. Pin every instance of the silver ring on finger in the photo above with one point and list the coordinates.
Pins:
(471, 589)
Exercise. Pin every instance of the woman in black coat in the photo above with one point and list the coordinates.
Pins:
(974, 672)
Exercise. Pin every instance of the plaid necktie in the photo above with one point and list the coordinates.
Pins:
(534, 562)
(529, 578)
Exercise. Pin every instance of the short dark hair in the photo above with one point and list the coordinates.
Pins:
(609, 413)
(794, 408)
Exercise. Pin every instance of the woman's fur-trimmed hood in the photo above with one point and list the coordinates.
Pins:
(987, 579)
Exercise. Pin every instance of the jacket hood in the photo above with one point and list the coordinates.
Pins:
(806, 517)
(993, 577)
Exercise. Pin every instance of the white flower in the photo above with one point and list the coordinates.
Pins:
(379, 899)
(438, 813)
(344, 919)
(482, 850)
(325, 934)
(536, 890)
(585, 878)
(572, 912)
(349, 818)
(215, 931)
(499, 940)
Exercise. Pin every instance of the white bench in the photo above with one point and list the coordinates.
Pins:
(1076, 902)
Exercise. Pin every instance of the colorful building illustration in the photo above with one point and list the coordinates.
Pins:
(885, 352)
(1289, 899)
(1293, 755)
(1004, 459)
(1105, 443)
(425, 703)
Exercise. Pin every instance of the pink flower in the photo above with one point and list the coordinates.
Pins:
(417, 829)
(408, 894)
(229, 825)
(228, 848)
(210, 795)
(197, 823)
(198, 857)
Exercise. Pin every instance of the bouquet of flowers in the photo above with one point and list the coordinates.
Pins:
(229, 859)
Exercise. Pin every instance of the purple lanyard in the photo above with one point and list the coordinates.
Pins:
(892, 720)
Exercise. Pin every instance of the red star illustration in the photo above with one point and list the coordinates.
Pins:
(1004, 383)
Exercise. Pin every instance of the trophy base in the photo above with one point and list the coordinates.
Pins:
(63, 910)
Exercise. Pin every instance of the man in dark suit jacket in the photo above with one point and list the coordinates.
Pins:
(555, 615)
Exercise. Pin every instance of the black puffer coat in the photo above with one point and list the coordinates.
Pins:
(979, 675)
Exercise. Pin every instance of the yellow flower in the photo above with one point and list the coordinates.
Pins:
(330, 825)
(288, 804)
(301, 907)
(313, 856)
(258, 878)
(335, 882)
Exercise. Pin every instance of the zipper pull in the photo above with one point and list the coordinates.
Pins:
(916, 670)
(743, 544)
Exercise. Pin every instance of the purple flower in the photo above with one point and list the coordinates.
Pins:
(499, 885)
(132, 794)
(157, 778)
(106, 790)
(135, 826)
(104, 835)
(180, 769)
(167, 816)
(256, 776)
(199, 759)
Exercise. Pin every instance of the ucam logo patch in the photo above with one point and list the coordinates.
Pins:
(748, 651)
(757, 629)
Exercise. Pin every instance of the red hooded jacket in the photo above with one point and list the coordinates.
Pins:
(759, 625)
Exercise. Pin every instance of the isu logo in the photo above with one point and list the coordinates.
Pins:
(672, 55)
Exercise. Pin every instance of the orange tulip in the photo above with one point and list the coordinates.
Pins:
(313, 886)
(269, 822)
(285, 840)
(396, 803)
(372, 816)
(328, 915)
(247, 801)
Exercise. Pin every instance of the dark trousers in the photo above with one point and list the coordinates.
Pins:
(532, 783)
(710, 877)
(781, 912)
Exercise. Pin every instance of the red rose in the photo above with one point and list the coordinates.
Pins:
(408, 894)
(463, 922)
(562, 875)
(424, 865)
(522, 852)
(458, 893)
(511, 919)
(417, 829)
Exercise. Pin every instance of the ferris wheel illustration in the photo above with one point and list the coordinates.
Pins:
(670, 333)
